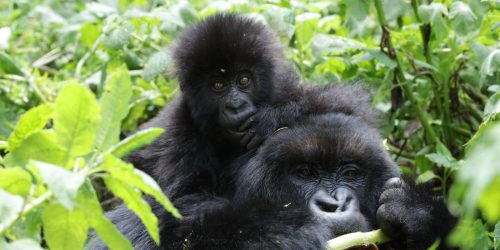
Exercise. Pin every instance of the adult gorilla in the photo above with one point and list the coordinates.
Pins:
(236, 90)
(304, 186)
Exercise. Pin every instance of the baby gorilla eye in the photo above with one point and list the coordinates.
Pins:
(244, 82)
(218, 86)
(305, 172)
(351, 171)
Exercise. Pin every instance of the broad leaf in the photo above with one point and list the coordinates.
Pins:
(491, 64)
(32, 121)
(40, 146)
(15, 180)
(64, 229)
(135, 141)
(63, 183)
(114, 108)
(75, 119)
(8, 66)
(117, 38)
(463, 20)
(156, 65)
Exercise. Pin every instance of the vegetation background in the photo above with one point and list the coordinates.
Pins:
(73, 74)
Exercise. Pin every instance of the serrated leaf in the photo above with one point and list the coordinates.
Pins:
(125, 172)
(15, 180)
(10, 208)
(63, 183)
(8, 66)
(75, 119)
(64, 229)
(114, 108)
(118, 38)
(491, 64)
(32, 121)
(133, 200)
(40, 146)
(135, 141)
(157, 64)
(463, 20)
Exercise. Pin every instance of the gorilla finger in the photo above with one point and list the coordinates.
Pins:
(390, 225)
(390, 194)
(247, 138)
(246, 124)
(394, 182)
(256, 141)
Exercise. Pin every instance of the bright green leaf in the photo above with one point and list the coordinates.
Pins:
(463, 20)
(470, 235)
(157, 64)
(40, 146)
(63, 183)
(133, 200)
(489, 202)
(75, 119)
(15, 180)
(32, 121)
(305, 27)
(114, 108)
(64, 229)
(8, 66)
(10, 208)
(135, 141)
(125, 172)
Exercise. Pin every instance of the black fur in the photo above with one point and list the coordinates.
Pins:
(191, 160)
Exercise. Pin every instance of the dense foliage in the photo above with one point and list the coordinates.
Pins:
(73, 74)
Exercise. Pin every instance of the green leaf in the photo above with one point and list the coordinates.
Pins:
(10, 208)
(8, 66)
(433, 14)
(491, 64)
(21, 244)
(490, 200)
(125, 172)
(157, 64)
(443, 157)
(114, 108)
(75, 119)
(87, 202)
(15, 180)
(64, 184)
(305, 27)
(357, 9)
(40, 146)
(463, 20)
(135, 141)
(109, 234)
(118, 38)
(496, 236)
(133, 200)
(470, 235)
(32, 121)
(64, 229)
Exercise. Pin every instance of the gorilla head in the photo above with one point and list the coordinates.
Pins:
(336, 165)
(228, 69)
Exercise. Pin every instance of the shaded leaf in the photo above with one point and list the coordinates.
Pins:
(463, 20)
(8, 66)
(156, 65)
(10, 207)
(117, 38)
(64, 184)
(491, 64)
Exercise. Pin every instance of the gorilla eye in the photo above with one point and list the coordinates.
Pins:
(351, 171)
(218, 86)
(244, 82)
(306, 172)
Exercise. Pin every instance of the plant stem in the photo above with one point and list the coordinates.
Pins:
(357, 239)
(422, 116)
(27, 208)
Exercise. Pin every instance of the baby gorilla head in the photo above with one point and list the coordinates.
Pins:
(335, 165)
(226, 65)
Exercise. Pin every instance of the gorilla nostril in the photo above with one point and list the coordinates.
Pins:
(326, 206)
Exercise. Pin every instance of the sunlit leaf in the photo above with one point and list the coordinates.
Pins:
(10, 208)
(40, 146)
(135, 141)
(32, 121)
(64, 229)
(15, 180)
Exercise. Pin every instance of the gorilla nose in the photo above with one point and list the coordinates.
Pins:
(321, 202)
(234, 105)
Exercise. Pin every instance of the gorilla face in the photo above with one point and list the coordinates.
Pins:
(336, 166)
(225, 66)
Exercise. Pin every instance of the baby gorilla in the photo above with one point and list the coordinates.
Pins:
(312, 183)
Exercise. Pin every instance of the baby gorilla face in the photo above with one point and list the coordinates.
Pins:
(335, 165)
